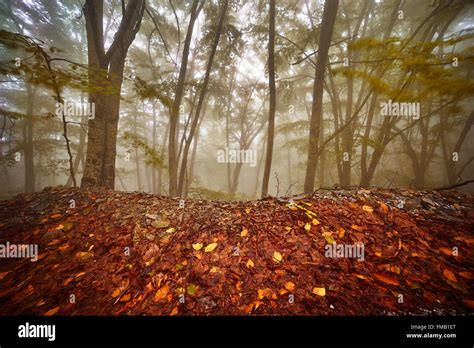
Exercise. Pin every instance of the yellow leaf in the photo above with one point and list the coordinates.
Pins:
(357, 228)
(210, 247)
(244, 232)
(319, 291)
(277, 256)
(171, 230)
(290, 286)
(250, 264)
(55, 216)
(52, 311)
(307, 227)
(368, 208)
(248, 210)
(260, 294)
(329, 238)
(60, 227)
(378, 253)
(116, 293)
(161, 293)
(315, 222)
(197, 246)
(360, 276)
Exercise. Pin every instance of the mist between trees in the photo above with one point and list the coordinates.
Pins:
(235, 99)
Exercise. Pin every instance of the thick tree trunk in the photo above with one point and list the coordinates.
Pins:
(327, 25)
(271, 111)
(106, 66)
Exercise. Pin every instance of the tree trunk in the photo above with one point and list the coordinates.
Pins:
(28, 140)
(202, 96)
(106, 70)
(271, 111)
(174, 115)
(327, 25)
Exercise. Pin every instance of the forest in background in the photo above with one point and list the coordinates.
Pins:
(155, 96)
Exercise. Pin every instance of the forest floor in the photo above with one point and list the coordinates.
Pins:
(103, 252)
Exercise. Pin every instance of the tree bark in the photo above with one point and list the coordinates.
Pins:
(106, 70)
(271, 111)
(327, 25)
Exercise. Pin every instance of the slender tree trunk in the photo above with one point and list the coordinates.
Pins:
(327, 25)
(202, 96)
(28, 140)
(271, 111)
(174, 116)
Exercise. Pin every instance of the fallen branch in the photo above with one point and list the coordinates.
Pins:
(449, 187)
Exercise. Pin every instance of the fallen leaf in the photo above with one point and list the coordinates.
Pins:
(52, 311)
(449, 275)
(446, 251)
(125, 298)
(3, 274)
(315, 222)
(368, 208)
(174, 311)
(342, 232)
(250, 263)
(55, 216)
(329, 238)
(290, 286)
(277, 256)
(384, 207)
(116, 293)
(197, 246)
(210, 247)
(191, 289)
(307, 227)
(466, 275)
(171, 230)
(161, 293)
(386, 278)
(470, 303)
(244, 232)
(357, 228)
(319, 291)
(360, 276)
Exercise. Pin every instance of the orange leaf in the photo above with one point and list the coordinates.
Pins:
(52, 311)
(357, 228)
(161, 293)
(3, 274)
(384, 207)
(125, 298)
(290, 286)
(449, 275)
(342, 232)
(446, 251)
(174, 311)
(386, 278)
(470, 303)
(467, 275)
(116, 293)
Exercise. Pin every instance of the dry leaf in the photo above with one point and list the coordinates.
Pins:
(244, 232)
(116, 293)
(210, 247)
(250, 263)
(290, 286)
(357, 228)
(449, 275)
(307, 227)
(319, 291)
(315, 222)
(125, 298)
(277, 256)
(384, 207)
(52, 311)
(197, 246)
(161, 293)
(386, 278)
(368, 208)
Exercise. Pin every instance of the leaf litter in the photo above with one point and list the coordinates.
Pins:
(124, 253)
